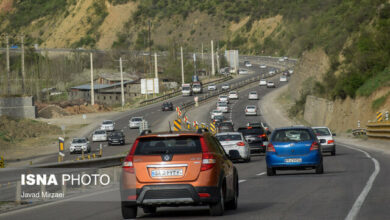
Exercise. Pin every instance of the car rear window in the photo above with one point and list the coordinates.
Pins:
(291, 135)
(229, 137)
(250, 107)
(107, 122)
(136, 119)
(252, 131)
(321, 131)
(222, 104)
(168, 145)
(100, 132)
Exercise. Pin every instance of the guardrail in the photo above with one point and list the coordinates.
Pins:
(380, 129)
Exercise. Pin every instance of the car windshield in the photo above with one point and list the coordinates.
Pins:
(291, 135)
(107, 122)
(117, 134)
(229, 137)
(186, 88)
(219, 117)
(222, 104)
(253, 93)
(196, 86)
(232, 93)
(250, 107)
(100, 132)
(321, 131)
(79, 141)
(223, 97)
(136, 119)
(168, 145)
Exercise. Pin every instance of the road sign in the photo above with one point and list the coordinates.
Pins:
(177, 125)
(379, 116)
(185, 119)
(212, 127)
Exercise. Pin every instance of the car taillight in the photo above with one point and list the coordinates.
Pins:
(314, 146)
(203, 195)
(208, 159)
(128, 164)
(240, 144)
(261, 135)
(271, 148)
(330, 141)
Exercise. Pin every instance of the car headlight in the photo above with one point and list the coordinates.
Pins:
(84, 147)
(71, 148)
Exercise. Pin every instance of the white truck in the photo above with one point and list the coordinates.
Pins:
(186, 89)
(197, 87)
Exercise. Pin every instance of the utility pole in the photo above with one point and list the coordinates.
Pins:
(212, 59)
(23, 72)
(150, 50)
(122, 90)
(92, 87)
(8, 68)
(217, 57)
(182, 65)
(155, 66)
(202, 55)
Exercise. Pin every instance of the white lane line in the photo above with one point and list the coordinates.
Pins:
(360, 200)
(241, 181)
(259, 174)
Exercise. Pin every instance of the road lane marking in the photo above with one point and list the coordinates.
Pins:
(259, 174)
(360, 200)
(241, 181)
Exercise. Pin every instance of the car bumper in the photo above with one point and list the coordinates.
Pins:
(133, 125)
(257, 147)
(328, 147)
(171, 195)
(250, 113)
(116, 142)
(99, 139)
(309, 160)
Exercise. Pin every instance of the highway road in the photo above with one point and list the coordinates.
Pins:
(354, 186)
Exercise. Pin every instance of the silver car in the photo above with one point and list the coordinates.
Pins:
(270, 84)
(263, 82)
(99, 135)
(135, 122)
(235, 141)
(223, 107)
(325, 137)
(212, 87)
(215, 113)
(108, 125)
(223, 98)
(283, 79)
(233, 95)
(80, 145)
(253, 95)
(251, 110)
(225, 87)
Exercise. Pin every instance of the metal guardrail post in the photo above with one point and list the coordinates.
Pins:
(18, 193)
(43, 190)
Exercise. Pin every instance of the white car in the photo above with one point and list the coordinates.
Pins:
(99, 135)
(271, 72)
(223, 98)
(215, 113)
(283, 79)
(233, 95)
(247, 64)
(108, 125)
(242, 72)
(223, 107)
(135, 122)
(325, 136)
(281, 59)
(291, 71)
(270, 84)
(253, 95)
(250, 110)
(225, 87)
(80, 145)
(263, 82)
(212, 87)
(234, 141)
(262, 66)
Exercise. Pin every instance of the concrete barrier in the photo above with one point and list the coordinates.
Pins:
(18, 107)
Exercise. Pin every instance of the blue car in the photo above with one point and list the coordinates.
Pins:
(293, 148)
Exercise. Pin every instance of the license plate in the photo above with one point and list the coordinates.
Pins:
(293, 160)
(163, 173)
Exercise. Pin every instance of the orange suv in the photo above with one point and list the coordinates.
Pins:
(178, 168)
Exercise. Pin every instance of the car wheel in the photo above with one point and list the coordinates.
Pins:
(149, 210)
(247, 160)
(232, 204)
(333, 153)
(128, 211)
(218, 208)
(271, 171)
(320, 168)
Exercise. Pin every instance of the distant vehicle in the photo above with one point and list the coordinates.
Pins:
(281, 59)
(116, 137)
(225, 126)
(99, 135)
(270, 84)
(256, 137)
(108, 125)
(243, 71)
(223, 107)
(283, 78)
(272, 72)
(186, 89)
(233, 95)
(212, 87)
(291, 71)
(285, 58)
(223, 98)
(218, 119)
(247, 64)
(196, 171)
(197, 87)
(79, 145)
(263, 82)
(235, 141)
(325, 136)
(135, 122)
(215, 113)
(251, 110)
(167, 106)
(293, 148)
(225, 86)
(232, 70)
(262, 66)
(224, 71)
(253, 95)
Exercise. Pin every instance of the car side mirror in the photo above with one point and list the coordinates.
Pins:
(322, 141)
(234, 155)
(334, 134)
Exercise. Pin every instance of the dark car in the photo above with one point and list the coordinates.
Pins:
(225, 127)
(255, 136)
(178, 169)
(167, 106)
(116, 137)
(218, 119)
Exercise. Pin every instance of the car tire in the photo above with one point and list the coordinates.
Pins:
(233, 204)
(128, 211)
(333, 153)
(218, 208)
(271, 171)
(320, 168)
(247, 160)
(150, 210)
